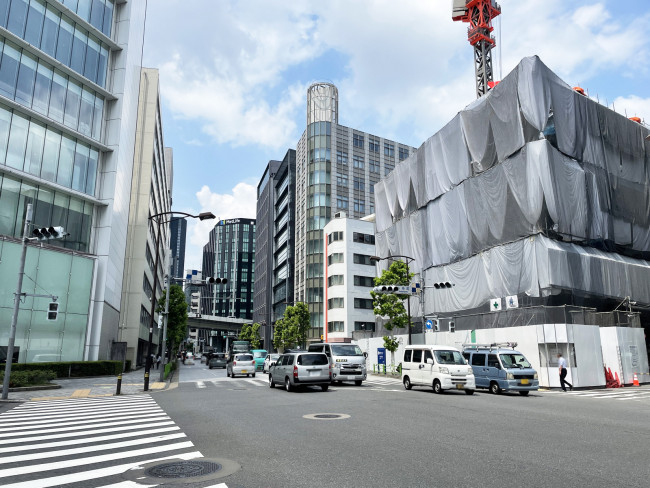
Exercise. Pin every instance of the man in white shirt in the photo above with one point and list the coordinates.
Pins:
(561, 362)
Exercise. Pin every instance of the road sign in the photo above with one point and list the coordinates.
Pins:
(429, 324)
(381, 355)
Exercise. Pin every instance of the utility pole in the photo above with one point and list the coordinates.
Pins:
(165, 320)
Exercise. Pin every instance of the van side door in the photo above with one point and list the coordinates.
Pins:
(480, 370)
(416, 367)
(494, 370)
(426, 372)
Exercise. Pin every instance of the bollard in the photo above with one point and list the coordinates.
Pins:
(119, 384)
(384, 369)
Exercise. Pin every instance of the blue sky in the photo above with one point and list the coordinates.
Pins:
(234, 76)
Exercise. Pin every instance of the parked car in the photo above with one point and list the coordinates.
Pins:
(268, 361)
(217, 360)
(304, 368)
(240, 364)
(499, 367)
(438, 367)
(259, 355)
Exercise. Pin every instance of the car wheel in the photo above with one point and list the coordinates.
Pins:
(287, 384)
(248, 376)
(324, 387)
(407, 383)
(358, 382)
(209, 367)
(437, 387)
(495, 388)
(271, 382)
(469, 392)
(253, 375)
(228, 373)
(524, 393)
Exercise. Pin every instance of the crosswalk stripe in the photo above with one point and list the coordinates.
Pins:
(96, 473)
(86, 422)
(44, 418)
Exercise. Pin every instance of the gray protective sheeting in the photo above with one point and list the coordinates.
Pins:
(490, 176)
(533, 158)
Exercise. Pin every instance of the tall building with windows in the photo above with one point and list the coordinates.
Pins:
(69, 87)
(150, 195)
(230, 254)
(336, 170)
(177, 239)
(274, 254)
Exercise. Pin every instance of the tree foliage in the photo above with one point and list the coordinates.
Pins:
(251, 333)
(391, 306)
(291, 329)
(177, 320)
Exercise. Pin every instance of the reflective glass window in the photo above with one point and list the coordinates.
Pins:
(72, 104)
(79, 43)
(93, 163)
(42, 215)
(66, 159)
(79, 172)
(60, 210)
(57, 95)
(17, 17)
(97, 118)
(51, 154)
(97, 14)
(17, 142)
(26, 78)
(4, 11)
(102, 66)
(83, 9)
(34, 152)
(5, 123)
(108, 17)
(92, 58)
(64, 41)
(9, 196)
(50, 31)
(42, 88)
(9, 69)
(35, 17)
(75, 224)
(86, 112)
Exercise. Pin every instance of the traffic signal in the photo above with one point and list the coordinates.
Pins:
(216, 281)
(52, 310)
(452, 326)
(436, 325)
(442, 285)
(393, 289)
(46, 233)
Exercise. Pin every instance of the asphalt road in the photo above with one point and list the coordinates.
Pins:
(399, 438)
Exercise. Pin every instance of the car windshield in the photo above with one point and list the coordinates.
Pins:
(243, 357)
(514, 360)
(259, 354)
(346, 350)
(449, 357)
(274, 356)
(312, 359)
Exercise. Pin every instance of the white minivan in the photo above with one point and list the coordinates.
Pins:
(438, 367)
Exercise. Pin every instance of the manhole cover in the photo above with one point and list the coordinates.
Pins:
(183, 469)
(326, 416)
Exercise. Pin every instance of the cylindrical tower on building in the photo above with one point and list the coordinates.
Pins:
(322, 103)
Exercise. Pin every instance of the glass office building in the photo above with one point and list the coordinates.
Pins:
(69, 86)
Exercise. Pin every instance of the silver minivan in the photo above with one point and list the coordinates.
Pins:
(297, 369)
(348, 361)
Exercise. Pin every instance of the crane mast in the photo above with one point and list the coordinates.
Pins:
(479, 15)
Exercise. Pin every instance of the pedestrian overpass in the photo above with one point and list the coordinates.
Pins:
(212, 322)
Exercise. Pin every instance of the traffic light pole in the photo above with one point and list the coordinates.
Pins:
(17, 295)
(165, 320)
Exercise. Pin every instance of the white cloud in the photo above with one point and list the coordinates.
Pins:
(633, 106)
(240, 203)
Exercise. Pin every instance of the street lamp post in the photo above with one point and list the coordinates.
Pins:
(201, 216)
(408, 260)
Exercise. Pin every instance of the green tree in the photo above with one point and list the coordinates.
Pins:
(177, 320)
(291, 329)
(391, 306)
(251, 333)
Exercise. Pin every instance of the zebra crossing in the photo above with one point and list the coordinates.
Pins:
(262, 380)
(86, 442)
(614, 394)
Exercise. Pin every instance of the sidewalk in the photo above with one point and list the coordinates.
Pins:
(98, 386)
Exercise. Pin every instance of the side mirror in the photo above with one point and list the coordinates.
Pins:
(365, 355)
(429, 361)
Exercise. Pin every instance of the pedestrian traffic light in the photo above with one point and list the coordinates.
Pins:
(46, 233)
(52, 310)
(216, 281)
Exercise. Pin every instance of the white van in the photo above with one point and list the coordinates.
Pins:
(348, 361)
(439, 367)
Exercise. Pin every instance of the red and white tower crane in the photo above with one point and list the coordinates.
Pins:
(479, 15)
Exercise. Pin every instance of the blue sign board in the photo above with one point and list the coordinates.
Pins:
(429, 324)
(381, 355)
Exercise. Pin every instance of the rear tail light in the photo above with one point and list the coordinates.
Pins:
(234, 363)
(295, 371)
(253, 363)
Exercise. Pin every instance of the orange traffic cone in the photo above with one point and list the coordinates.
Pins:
(635, 382)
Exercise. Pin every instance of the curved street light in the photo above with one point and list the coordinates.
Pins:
(408, 260)
(155, 218)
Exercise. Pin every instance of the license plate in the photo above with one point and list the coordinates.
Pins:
(524, 382)
(314, 373)
(244, 371)
(460, 387)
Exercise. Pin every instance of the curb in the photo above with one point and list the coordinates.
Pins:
(34, 388)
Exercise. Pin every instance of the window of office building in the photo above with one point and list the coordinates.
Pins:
(403, 153)
(374, 166)
(373, 144)
(359, 183)
(335, 280)
(342, 157)
(363, 238)
(341, 201)
(364, 326)
(359, 205)
(358, 161)
(389, 150)
(341, 179)
(335, 258)
(357, 140)
(335, 326)
(335, 236)
(335, 303)
(388, 168)
(366, 281)
(363, 303)
(363, 259)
